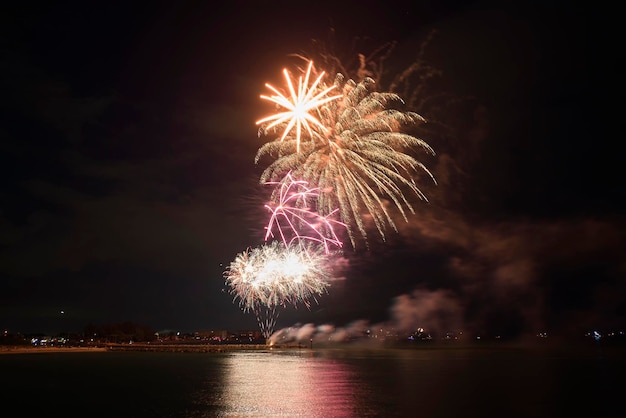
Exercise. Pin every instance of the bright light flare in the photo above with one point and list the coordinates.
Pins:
(277, 275)
(299, 105)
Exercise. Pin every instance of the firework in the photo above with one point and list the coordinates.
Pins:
(266, 317)
(360, 160)
(298, 107)
(274, 275)
(295, 222)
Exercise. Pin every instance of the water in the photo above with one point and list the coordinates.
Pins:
(424, 382)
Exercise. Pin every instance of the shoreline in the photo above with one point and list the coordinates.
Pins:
(185, 348)
(193, 348)
(222, 348)
(28, 350)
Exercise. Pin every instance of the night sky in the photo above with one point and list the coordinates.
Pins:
(127, 151)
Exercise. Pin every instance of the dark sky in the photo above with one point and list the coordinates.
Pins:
(127, 151)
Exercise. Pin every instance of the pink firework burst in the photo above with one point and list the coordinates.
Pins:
(293, 220)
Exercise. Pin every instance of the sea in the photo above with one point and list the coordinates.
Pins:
(450, 381)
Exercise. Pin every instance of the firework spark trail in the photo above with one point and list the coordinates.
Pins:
(298, 106)
(359, 161)
(266, 317)
(293, 219)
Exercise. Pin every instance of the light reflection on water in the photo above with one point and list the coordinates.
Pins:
(438, 382)
(289, 384)
(413, 383)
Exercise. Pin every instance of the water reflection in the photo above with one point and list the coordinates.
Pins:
(439, 382)
(289, 384)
